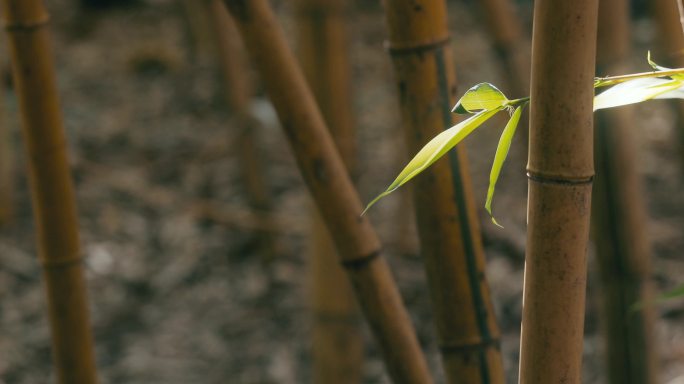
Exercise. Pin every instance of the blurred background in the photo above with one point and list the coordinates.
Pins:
(189, 282)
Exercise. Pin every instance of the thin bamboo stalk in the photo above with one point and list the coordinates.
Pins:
(671, 39)
(560, 171)
(6, 166)
(322, 50)
(450, 238)
(53, 195)
(618, 219)
(199, 27)
(238, 92)
(323, 171)
(509, 43)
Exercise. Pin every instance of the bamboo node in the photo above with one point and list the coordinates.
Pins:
(27, 25)
(559, 180)
(396, 49)
(60, 263)
(453, 348)
(361, 262)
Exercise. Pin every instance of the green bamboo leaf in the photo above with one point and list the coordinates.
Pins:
(669, 295)
(638, 90)
(500, 157)
(435, 149)
(483, 96)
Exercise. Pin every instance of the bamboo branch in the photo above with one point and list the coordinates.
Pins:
(52, 191)
(323, 171)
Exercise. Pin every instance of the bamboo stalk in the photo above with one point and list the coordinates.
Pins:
(618, 219)
(53, 195)
(560, 171)
(507, 33)
(238, 92)
(323, 171)
(322, 50)
(671, 40)
(450, 238)
(6, 166)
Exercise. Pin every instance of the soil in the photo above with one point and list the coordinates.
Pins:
(181, 294)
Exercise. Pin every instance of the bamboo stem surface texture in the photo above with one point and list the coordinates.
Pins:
(450, 239)
(324, 173)
(619, 219)
(54, 203)
(323, 52)
(560, 170)
(238, 91)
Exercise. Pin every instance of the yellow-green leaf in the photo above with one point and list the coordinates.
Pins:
(435, 149)
(500, 157)
(636, 91)
(483, 96)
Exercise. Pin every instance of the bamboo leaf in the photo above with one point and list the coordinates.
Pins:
(638, 90)
(483, 96)
(435, 149)
(669, 295)
(500, 157)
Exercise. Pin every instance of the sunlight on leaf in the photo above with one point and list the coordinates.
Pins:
(500, 157)
(483, 96)
(435, 149)
(636, 91)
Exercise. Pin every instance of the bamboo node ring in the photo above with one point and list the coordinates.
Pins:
(559, 180)
(361, 262)
(395, 49)
(27, 25)
(59, 264)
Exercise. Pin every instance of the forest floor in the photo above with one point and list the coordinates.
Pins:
(185, 295)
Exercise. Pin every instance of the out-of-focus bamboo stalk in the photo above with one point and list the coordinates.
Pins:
(323, 53)
(53, 195)
(6, 166)
(238, 92)
(324, 172)
(199, 27)
(509, 43)
(451, 244)
(671, 40)
(560, 171)
(618, 219)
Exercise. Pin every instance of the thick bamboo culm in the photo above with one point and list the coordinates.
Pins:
(331, 187)
(448, 228)
(53, 196)
(560, 171)
(618, 219)
(238, 93)
(337, 343)
(509, 44)
(6, 166)
(671, 41)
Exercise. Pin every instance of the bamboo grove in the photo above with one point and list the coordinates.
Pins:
(582, 179)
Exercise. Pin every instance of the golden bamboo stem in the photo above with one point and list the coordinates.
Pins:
(671, 40)
(53, 195)
(618, 219)
(238, 92)
(6, 166)
(322, 50)
(323, 170)
(509, 43)
(449, 233)
(560, 170)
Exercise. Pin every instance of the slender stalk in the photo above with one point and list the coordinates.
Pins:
(53, 195)
(6, 166)
(199, 28)
(323, 170)
(322, 50)
(238, 93)
(447, 221)
(612, 80)
(560, 170)
(671, 39)
(509, 43)
(618, 219)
